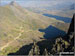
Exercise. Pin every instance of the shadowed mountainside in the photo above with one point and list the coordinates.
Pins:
(71, 28)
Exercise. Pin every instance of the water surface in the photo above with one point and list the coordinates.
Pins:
(65, 19)
(51, 32)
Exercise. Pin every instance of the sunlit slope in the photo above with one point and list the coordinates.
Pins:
(20, 26)
(13, 16)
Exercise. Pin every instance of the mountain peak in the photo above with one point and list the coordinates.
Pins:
(13, 3)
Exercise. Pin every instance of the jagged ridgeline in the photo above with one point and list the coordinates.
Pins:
(19, 26)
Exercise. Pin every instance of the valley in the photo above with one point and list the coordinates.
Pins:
(20, 26)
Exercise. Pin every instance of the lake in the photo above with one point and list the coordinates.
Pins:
(52, 32)
(65, 19)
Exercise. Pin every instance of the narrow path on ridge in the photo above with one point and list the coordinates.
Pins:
(20, 34)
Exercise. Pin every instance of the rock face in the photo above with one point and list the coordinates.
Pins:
(67, 42)
(60, 45)
(71, 34)
(35, 50)
(71, 28)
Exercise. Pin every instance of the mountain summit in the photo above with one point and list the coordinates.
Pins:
(13, 3)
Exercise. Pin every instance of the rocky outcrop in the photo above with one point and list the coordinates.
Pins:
(71, 28)
(60, 45)
(35, 50)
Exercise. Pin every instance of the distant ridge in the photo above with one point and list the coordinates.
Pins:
(13, 3)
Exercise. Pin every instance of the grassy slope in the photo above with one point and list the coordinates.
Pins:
(14, 17)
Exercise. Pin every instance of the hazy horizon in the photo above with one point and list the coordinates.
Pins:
(40, 3)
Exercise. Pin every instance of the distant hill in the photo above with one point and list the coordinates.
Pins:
(60, 10)
(69, 7)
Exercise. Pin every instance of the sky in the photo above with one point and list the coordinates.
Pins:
(39, 3)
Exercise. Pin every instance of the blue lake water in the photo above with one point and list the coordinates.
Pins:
(51, 32)
(65, 19)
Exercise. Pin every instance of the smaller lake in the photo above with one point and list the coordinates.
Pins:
(65, 19)
(52, 32)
